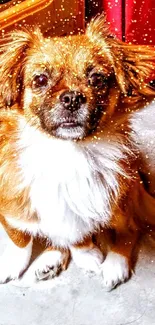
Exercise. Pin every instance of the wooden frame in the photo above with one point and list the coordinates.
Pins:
(21, 11)
(47, 14)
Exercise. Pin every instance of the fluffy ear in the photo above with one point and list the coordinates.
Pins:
(132, 64)
(98, 33)
(14, 51)
(138, 67)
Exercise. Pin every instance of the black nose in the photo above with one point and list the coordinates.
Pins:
(72, 100)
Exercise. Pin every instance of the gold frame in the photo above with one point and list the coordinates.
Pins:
(20, 11)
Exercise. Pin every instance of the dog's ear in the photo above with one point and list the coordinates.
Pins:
(98, 32)
(14, 50)
(138, 66)
(132, 64)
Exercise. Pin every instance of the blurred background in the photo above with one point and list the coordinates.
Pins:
(130, 20)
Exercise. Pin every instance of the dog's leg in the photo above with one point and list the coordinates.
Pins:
(117, 265)
(51, 263)
(17, 254)
(87, 255)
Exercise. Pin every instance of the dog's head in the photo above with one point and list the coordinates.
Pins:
(66, 86)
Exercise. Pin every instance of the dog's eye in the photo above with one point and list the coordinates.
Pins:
(97, 80)
(40, 81)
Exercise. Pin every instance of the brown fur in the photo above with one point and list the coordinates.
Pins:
(20, 239)
(125, 66)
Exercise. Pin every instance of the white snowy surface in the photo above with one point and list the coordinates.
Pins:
(76, 298)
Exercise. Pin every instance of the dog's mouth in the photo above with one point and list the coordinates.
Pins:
(69, 124)
(72, 126)
(69, 129)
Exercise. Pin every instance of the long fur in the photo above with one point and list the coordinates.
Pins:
(69, 184)
(67, 189)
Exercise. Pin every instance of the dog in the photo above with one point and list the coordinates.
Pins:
(67, 163)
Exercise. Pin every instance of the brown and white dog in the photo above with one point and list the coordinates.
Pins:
(67, 167)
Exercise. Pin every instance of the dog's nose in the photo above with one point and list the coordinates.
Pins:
(72, 100)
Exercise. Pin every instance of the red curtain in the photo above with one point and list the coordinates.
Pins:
(132, 20)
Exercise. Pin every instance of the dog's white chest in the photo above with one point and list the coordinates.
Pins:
(70, 186)
(49, 196)
(58, 175)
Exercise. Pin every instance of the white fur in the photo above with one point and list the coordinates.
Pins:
(48, 264)
(143, 135)
(71, 184)
(88, 259)
(14, 261)
(71, 133)
(115, 270)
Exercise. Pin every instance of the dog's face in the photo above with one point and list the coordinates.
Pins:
(68, 86)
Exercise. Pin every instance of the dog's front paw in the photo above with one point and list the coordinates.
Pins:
(14, 261)
(50, 264)
(115, 270)
(88, 259)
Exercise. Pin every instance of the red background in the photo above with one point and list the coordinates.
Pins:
(132, 20)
